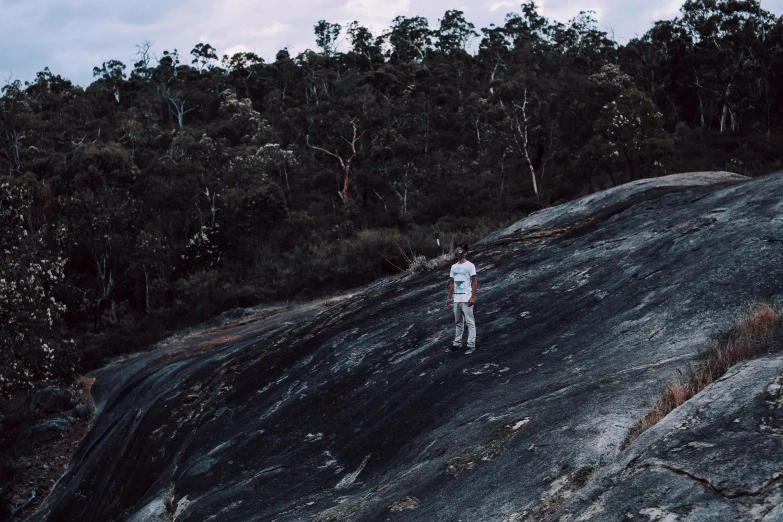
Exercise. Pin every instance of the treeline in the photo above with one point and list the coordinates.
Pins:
(179, 186)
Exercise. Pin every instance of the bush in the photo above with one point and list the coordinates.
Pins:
(32, 264)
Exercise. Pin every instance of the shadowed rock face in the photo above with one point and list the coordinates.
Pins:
(358, 412)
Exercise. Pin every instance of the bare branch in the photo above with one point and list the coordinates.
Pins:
(345, 164)
(307, 139)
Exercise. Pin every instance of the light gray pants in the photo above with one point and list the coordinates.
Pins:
(463, 314)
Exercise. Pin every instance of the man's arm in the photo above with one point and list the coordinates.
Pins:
(451, 292)
(474, 285)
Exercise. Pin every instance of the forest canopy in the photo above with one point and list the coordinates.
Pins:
(185, 184)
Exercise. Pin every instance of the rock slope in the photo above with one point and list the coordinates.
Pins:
(359, 412)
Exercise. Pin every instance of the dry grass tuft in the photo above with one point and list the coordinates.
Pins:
(753, 336)
(420, 264)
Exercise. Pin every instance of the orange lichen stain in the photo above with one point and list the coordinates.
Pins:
(217, 340)
(86, 389)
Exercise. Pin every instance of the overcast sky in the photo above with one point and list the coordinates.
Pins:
(72, 36)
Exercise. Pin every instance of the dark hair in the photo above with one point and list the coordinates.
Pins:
(464, 247)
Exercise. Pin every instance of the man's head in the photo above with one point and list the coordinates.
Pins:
(461, 252)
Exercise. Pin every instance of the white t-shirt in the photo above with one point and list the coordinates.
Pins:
(463, 288)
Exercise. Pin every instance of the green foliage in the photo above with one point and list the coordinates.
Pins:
(326, 35)
(32, 350)
(364, 45)
(111, 75)
(203, 55)
(455, 32)
(410, 38)
(200, 184)
(628, 130)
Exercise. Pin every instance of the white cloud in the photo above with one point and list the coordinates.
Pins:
(668, 10)
(276, 29)
(494, 6)
(564, 11)
(384, 9)
(376, 15)
(231, 51)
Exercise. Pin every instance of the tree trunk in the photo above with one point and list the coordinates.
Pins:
(533, 176)
(525, 142)
(346, 182)
(725, 112)
(492, 77)
(345, 164)
(611, 176)
(427, 128)
(146, 291)
(285, 174)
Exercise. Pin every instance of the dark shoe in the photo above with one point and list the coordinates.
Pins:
(455, 347)
(470, 350)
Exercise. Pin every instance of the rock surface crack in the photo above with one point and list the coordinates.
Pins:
(726, 493)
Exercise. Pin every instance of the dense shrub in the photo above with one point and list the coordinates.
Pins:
(32, 349)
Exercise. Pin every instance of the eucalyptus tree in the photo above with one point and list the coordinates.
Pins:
(345, 158)
(730, 54)
(326, 36)
(111, 75)
(409, 38)
(204, 56)
(144, 55)
(454, 32)
(364, 45)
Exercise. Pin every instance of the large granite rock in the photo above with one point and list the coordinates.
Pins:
(358, 411)
(53, 399)
(29, 437)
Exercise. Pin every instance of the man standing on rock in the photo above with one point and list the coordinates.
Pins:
(463, 288)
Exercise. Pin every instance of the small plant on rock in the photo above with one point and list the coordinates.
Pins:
(753, 336)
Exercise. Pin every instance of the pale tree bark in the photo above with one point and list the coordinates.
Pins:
(701, 111)
(382, 200)
(147, 296)
(404, 185)
(14, 143)
(345, 163)
(498, 64)
(726, 109)
(427, 119)
(176, 106)
(144, 52)
(521, 129)
(104, 276)
(212, 209)
(725, 112)
(285, 175)
(701, 102)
